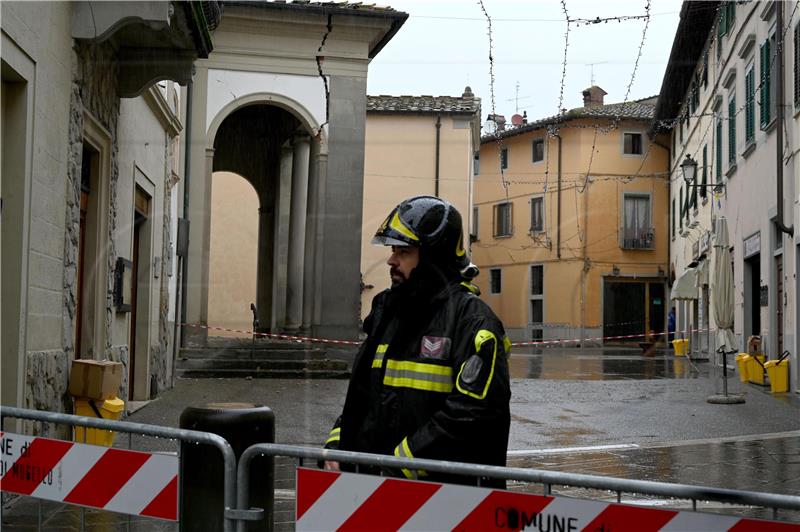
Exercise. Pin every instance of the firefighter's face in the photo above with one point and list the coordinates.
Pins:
(402, 260)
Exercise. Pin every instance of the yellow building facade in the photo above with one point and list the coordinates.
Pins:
(571, 237)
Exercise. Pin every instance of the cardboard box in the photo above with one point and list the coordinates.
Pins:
(95, 379)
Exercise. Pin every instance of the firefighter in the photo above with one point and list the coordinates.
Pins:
(431, 378)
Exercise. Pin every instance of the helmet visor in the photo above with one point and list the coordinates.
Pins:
(384, 240)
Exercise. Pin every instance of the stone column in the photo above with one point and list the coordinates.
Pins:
(310, 238)
(297, 234)
(281, 239)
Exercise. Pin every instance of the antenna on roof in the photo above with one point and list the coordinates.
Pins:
(591, 70)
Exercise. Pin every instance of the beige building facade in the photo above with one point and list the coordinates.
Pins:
(721, 105)
(571, 236)
(415, 145)
(91, 148)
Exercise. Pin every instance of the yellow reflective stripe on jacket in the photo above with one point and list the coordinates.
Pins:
(377, 362)
(507, 345)
(419, 376)
(471, 287)
(481, 338)
(403, 451)
(334, 435)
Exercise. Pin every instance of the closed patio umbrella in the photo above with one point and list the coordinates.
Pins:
(723, 306)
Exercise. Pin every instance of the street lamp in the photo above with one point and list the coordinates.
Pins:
(689, 169)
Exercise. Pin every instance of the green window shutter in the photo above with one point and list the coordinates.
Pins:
(705, 172)
(732, 131)
(797, 64)
(749, 114)
(722, 28)
(718, 171)
(765, 84)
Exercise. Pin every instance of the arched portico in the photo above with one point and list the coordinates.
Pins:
(274, 143)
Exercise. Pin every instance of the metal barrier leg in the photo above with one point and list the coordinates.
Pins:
(39, 516)
(619, 496)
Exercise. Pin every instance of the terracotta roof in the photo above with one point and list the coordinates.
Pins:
(354, 7)
(422, 104)
(635, 110)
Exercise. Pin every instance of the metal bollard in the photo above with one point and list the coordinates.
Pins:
(201, 468)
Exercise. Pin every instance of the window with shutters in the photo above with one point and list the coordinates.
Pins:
(797, 65)
(475, 224)
(537, 301)
(718, 162)
(495, 280)
(672, 220)
(537, 214)
(504, 158)
(632, 143)
(637, 229)
(537, 150)
(732, 130)
(750, 104)
(767, 78)
(704, 173)
(705, 70)
(476, 164)
(502, 219)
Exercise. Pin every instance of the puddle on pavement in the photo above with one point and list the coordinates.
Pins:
(607, 366)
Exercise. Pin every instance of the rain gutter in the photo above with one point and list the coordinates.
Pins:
(781, 109)
(438, 140)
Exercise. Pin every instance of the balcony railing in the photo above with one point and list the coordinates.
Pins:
(636, 238)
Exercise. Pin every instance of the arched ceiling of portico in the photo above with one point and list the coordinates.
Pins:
(248, 142)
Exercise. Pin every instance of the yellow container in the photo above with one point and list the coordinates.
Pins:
(755, 371)
(679, 346)
(742, 362)
(778, 375)
(108, 409)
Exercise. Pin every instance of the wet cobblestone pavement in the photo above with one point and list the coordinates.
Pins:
(610, 412)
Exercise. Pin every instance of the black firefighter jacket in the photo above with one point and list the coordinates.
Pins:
(430, 381)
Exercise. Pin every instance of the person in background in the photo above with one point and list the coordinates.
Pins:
(431, 379)
(671, 324)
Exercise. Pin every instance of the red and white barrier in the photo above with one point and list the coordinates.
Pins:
(116, 480)
(328, 500)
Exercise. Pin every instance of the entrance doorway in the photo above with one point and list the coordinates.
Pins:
(779, 303)
(752, 295)
(140, 300)
(633, 308)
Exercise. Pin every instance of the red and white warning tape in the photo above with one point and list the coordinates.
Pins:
(344, 502)
(117, 480)
(310, 339)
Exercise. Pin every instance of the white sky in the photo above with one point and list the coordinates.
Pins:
(443, 46)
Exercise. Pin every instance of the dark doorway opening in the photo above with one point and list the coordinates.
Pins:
(752, 295)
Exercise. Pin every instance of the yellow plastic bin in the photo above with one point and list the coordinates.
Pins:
(742, 362)
(679, 346)
(755, 370)
(108, 409)
(778, 373)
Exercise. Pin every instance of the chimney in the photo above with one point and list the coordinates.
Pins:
(468, 94)
(593, 96)
(500, 120)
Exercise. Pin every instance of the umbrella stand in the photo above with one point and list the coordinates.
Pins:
(725, 399)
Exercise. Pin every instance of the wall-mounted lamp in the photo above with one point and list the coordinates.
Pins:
(689, 169)
(660, 271)
(123, 285)
(615, 270)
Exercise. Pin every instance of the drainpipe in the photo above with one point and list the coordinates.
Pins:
(780, 109)
(558, 214)
(438, 137)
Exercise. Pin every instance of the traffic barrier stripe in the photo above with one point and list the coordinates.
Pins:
(309, 339)
(345, 502)
(117, 480)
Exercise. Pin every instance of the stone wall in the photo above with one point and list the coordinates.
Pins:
(94, 89)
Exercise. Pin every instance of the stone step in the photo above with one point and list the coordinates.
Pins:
(259, 373)
(273, 353)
